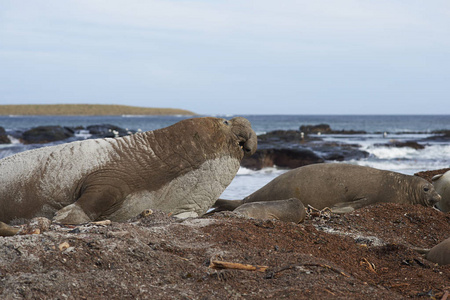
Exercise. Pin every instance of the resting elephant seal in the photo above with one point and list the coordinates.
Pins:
(181, 169)
(341, 187)
(290, 210)
(440, 253)
(442, 185)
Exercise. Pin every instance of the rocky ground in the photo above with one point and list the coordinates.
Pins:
(365, 254)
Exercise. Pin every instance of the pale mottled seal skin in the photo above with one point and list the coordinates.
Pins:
(290, 210)
(442, 185)
(440, 253)
(181, 169)
(341, 187)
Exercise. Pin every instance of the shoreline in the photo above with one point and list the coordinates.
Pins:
(87, 110)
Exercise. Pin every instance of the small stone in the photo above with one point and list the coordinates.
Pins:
(63, 246)
(146, 213)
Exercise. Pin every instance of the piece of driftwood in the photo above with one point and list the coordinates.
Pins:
(219, 265)
(370, 265)
(101, 223)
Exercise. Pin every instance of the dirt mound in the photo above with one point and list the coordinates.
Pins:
(429, 174)
(367, 253)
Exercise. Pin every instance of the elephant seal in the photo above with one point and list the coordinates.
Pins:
(341, 187)
(290, 210)
(181, 169)
(440, 253)
(441, 184)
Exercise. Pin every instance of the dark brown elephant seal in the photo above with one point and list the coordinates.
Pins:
(290, 210)
(341, 187)
(181, 169)
(440, 253)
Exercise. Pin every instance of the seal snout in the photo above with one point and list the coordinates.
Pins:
(436, 199)
(247, 147)
(246, 137)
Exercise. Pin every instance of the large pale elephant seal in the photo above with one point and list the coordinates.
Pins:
(290, 210)
(341, 187)
(181, 169)
(442, 185)
(440, 253)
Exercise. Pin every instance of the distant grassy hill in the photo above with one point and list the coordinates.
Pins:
(87, 109)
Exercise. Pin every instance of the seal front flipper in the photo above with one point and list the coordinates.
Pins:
(346, 207)
(71, 214)
(95, 202)
(226, 205)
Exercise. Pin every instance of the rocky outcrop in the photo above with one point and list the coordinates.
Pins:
(326, 129)
(4, 137)
(440, 136)
(46, 134)
(284, 158)
(315, 129)
(398, 144)
(107, 130)
(292, 149)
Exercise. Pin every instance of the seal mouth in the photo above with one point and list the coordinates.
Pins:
(243, 147)
(435, 200)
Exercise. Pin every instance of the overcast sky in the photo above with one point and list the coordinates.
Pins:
(229, 57)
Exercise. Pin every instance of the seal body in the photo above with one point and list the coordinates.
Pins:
(290, 210)
(442, 185)
(180, 169)
(440, 253)
(341, 187)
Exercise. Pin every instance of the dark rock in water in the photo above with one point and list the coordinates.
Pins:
(339, 151)
(3, 137)
(46, 134)
(291, 149)
(440, 136)
(398, 144)
(348, 132)
(326, 129)
(284, 158)
(321, 128)
(283, 139)
(107, 130)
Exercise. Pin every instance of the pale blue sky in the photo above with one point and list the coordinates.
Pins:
(229, 57)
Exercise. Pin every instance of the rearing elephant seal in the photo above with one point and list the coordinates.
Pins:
(181, 169)
(341, 187)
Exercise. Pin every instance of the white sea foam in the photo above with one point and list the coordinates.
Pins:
(247, 181)
(431, 152)
(83, 134)
(13, 140)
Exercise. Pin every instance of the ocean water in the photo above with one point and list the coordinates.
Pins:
(380, 129)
